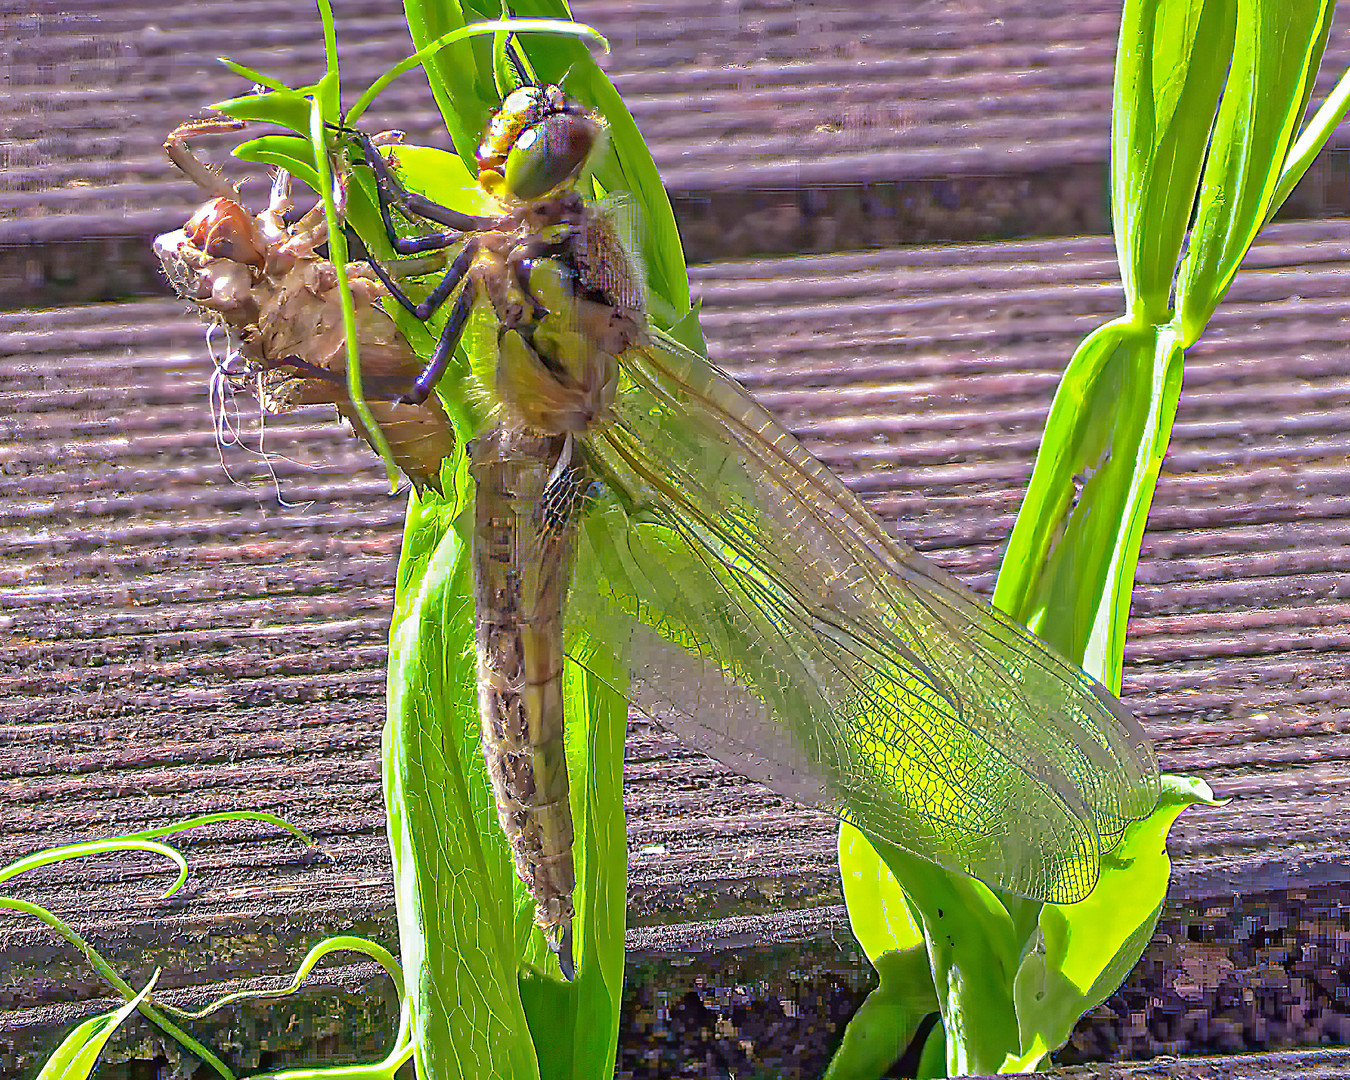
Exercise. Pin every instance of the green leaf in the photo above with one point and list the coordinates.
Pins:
(888, 1018)
(1169, 71)
(253, 75)
(465, 922)
(101, 965)
(594, 680)
(1087, 949)
(453, 874)
(285, 108)
(328, 91)
(340, 943)
(442, 176)
(288, 152)
(461, 76)
(888, 930)
(1279, 48)
(75, 1058)
(973, 955)
(933, 1059)
(1069, 568)
(878, 909)
(1311, 140)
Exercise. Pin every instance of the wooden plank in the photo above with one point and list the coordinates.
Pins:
(1322, 1064)
(175, 643)
(776, 127)
(771, 993)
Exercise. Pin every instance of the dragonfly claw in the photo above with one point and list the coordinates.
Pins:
(562, 948)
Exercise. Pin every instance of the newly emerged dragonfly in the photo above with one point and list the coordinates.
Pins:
(630, 492)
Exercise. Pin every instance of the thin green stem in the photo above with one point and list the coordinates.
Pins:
(99, 964)
(1311, 140)
(337, 245)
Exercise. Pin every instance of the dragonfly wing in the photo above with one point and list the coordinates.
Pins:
(771, 622)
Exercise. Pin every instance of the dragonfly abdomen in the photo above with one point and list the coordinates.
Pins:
(522, 555)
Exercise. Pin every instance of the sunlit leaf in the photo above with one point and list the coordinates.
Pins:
(1169, 71)
(1086, 950)
(75, 1058)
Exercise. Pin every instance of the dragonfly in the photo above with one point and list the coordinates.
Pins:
(628, 491)
(260, 279)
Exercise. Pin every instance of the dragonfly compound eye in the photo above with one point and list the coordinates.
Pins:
(549, 154)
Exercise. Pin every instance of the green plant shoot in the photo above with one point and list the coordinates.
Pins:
(1011, 977)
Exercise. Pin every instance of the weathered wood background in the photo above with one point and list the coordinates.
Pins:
(178, 637)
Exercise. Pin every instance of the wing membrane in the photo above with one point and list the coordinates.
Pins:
(772, 622)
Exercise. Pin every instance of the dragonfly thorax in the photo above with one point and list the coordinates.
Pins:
(556, 366)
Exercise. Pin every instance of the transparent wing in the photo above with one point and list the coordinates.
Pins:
(771, 622)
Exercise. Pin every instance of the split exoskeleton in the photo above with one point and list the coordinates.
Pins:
(261, 280)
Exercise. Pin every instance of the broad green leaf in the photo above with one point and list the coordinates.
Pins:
(574, 1026)
(75, 1058)
(442, 176)
(1169, 71)
(1086, 950)
(973, 957)
(1069, 568)
(1071, 560)
(888, 931)
(878, 909)
(288, 152)
(285, 108)
(1278, 50)
(460, 75)
(888, 1018)
(453, 875)
(595, 769)
(933, 1059)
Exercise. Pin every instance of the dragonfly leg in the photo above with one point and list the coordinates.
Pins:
(522, 260)
(445, 345)
(423, 310)
(392, 193)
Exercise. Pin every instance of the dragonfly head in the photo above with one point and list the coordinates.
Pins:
(538, 141)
